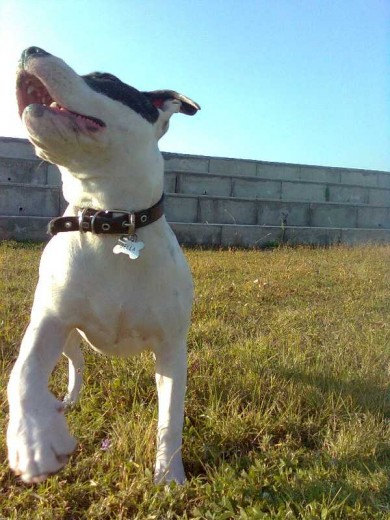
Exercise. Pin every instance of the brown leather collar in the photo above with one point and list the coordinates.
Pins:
(107, 222)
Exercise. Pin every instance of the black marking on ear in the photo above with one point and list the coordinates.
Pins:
(158, 97)
(114, 88)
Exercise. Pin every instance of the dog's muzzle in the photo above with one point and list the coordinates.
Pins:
(107, 222)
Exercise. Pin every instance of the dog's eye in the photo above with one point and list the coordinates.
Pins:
(104, 76)
(111, 77)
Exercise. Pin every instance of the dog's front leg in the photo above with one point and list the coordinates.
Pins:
(171, 375)
(38, 439)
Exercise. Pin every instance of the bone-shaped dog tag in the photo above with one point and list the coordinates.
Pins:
(129, 246)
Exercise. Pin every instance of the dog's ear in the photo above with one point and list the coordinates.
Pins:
(169, 102)
(168, 99)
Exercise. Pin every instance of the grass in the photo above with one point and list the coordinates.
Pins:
(287, 411)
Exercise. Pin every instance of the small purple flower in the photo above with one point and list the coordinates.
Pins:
(106, 444)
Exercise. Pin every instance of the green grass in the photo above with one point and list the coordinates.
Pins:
(287, 410)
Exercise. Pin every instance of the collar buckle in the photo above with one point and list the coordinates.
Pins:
(83, 225)
(130, 225)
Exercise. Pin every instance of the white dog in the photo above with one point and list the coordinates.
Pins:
(114, 272)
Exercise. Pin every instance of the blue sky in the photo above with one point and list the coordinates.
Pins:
(299, 81)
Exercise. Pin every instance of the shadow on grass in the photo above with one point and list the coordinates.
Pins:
(296, 468)
(361, 394)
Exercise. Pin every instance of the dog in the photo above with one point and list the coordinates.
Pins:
(113, 273)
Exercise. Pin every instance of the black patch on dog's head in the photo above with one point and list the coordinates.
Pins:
(114, 88)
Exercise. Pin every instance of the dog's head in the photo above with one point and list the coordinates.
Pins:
(70, 118)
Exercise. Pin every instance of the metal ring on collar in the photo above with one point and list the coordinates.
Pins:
(82, 225)
(93, 220)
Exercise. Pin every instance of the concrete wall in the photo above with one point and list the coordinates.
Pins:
(218, 201)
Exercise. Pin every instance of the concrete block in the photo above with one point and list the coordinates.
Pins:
(213, 185)
(383, 179)
(169, 182)
(27, 171)
(357, 236)
(351, 194)
(53, 175)
(359, 177)
(312, 236)
(17, 148)
(319, 174)
(180, 208)
(267, 170)
(333, 216)
(263, 236)
(256, 188)
(236, 167)
(372, 217)
(24, 228)
(378, 197)
(197, 234)
(63, 203)
(18, 200)
(250, 236)
(299, 191)
(228, 211)
(186, 163)
(283, 213)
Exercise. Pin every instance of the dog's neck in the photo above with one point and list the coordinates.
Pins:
(133, 181)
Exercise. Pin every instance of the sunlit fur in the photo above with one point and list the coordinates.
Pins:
(120, 306)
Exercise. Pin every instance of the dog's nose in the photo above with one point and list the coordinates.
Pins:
(32, 52)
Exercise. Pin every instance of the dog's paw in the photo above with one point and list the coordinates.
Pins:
(39, 443)
(70, 400)
(167, 473)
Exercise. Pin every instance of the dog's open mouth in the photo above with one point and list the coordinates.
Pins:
(30, 90)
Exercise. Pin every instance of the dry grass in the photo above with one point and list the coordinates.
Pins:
(287, 412)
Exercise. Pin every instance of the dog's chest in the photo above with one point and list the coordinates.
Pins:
(121, 306)
(124, 338)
